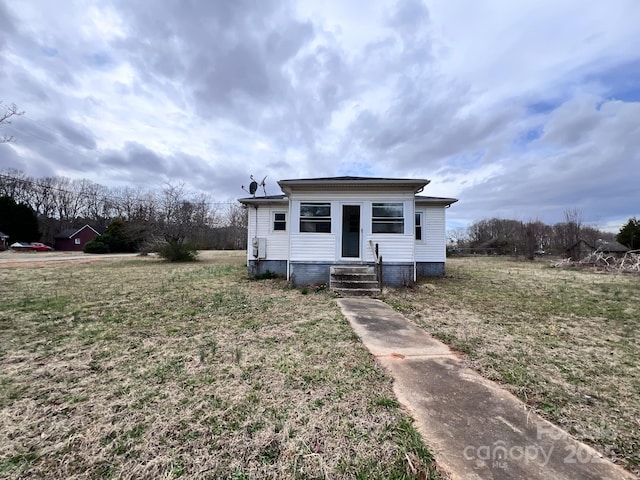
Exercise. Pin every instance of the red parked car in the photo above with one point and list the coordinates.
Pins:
(39, 247)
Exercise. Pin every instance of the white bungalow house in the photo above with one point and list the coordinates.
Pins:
(323, 222)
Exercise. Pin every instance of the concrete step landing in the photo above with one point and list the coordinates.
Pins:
(354, 280)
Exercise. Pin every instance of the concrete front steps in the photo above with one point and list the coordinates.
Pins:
(354, 281)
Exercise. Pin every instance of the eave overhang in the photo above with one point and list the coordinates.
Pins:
(435, 201)
(351, 183)
(269, 199)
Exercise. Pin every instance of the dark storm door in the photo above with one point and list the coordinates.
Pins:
(351, 231)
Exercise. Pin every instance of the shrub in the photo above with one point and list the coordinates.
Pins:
(96, 247)
(267, 275)
(178, 252)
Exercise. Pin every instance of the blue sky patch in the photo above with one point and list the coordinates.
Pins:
(50, 51)
(99, 59)
(528, 136)
(620, 82)
(466, 161)
(542, 107)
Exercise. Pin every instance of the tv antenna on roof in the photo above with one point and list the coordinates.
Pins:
(253, 186)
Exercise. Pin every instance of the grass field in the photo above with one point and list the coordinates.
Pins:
(565, 341)
(141, 369)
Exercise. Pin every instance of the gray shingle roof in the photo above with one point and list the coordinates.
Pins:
(356, 182)
(267, 199)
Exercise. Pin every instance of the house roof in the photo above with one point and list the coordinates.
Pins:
(435, 200)
(611, 246)
(416, 184)
(602, 245)
(264, 200)
(323, 182)
(72, 232)
(3, 235)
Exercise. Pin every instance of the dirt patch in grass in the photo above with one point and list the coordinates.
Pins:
(565, 341)
(141, 369)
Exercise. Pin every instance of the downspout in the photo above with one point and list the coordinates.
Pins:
(415, 264)
(255, 232)
(289, 216)
(256, 254)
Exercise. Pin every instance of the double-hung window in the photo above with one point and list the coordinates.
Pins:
(387, 218)
(279, 221)
(315, 217)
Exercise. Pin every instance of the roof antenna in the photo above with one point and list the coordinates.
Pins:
(253, 186)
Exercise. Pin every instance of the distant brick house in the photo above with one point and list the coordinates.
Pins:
(74, 239)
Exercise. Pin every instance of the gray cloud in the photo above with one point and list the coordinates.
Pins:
(135, 156)
(207, 93)
(7, 27)
(74, 133)
(595, 174)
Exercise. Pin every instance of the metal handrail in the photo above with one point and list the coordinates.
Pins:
(374, 249)
(378, 261)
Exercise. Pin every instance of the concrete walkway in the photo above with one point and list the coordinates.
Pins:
(476, 429)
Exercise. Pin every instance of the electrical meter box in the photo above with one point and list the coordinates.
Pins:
(259, 248)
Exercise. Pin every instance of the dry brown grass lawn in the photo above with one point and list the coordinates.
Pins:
(141, 369)
(565, 341)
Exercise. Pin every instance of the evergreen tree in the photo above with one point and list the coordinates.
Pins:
(119, 236)
(629, 234)
(18, 220)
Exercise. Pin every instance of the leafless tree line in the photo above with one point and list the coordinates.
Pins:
(515, 237)
(62, 203)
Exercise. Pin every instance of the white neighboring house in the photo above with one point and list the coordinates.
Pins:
(324, 222)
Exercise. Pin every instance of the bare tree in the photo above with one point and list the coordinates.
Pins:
(178, 224)
(573, 219)
(457, 237)
(15, 184)
(6, 113)
(236, 227)
(527, 243)
(496, 234)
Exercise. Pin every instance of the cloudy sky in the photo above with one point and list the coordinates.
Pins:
(520, 109)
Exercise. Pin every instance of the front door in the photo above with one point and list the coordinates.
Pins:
(351, 231)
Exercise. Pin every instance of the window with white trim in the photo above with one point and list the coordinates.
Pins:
(76, 241)
(279, 221)
(418, 225)
(387, 218)
(315, 217)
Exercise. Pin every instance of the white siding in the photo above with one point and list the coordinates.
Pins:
(328, 247)
(313, 247)
(432, 248)
(392, 247)
(277, 242)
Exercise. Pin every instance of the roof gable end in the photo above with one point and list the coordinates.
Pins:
(72, 232)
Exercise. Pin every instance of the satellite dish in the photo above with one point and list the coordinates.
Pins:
(253, 186)
(263, 185)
